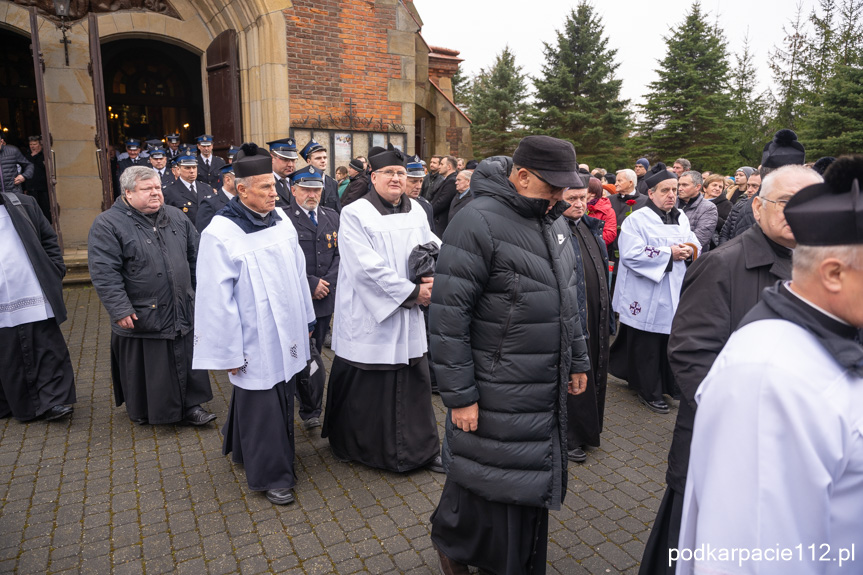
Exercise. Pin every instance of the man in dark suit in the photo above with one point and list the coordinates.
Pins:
(186, 193)
(316, 156)
(464, 195)
(318, 233)
(443, 196)
(416, 177)
(133, 149)
(159, 161)
(209, 207)
(208, 163)
(284, 153)
(173, 146)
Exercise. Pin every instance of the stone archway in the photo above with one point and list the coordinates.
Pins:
(261, 33)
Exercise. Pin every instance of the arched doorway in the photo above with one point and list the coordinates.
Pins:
(152, 88)
(19, 114)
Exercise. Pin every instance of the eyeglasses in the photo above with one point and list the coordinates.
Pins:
(779, 203)
(554, 189)
(393, 174)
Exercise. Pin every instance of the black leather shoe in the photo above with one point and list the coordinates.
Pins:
(57, 412)
(280, 496)
(448, 566)
(312, 423)
(577, 454)
(199, 416)
(436, 465)
(141, 421)
(655, 406)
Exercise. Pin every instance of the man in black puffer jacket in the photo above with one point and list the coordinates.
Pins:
(507, 345)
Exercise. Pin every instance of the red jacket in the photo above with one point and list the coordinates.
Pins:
(602, 210)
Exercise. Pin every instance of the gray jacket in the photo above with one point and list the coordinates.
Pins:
(146, 267)
(702, 216)
(11, 159)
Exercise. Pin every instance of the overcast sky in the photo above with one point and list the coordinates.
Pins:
(481, 28)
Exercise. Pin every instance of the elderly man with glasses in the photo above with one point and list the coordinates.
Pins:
(379, 410)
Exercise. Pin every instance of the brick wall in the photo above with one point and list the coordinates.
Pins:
(337, 51)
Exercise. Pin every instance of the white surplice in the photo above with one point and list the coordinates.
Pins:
(252, 303)
(370, 326)
(646, 296)
(777, 457)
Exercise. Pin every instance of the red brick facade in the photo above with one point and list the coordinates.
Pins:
(337, 51)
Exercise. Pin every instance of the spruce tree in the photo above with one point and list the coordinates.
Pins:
(836, 126)
(787, 63)
(578, 97)
(461, 86)
(749, 107)
(849, 41)
(821, 48)
(497, 107)
(687, 112)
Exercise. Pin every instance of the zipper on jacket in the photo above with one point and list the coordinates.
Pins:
(496, 356)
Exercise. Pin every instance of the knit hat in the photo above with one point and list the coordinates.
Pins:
(783, 150)
(643, 162)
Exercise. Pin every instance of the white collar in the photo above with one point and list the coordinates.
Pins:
(187, 184)
(812, 305)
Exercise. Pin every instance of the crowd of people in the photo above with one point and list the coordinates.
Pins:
(512, 287)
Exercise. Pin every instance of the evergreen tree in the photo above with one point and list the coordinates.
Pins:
(461, 86)
(786, 62)
(497, 107)
(577, 97)
(849, 42)
(749, 107)
(821, 50)
(836, 126)
(688, 111)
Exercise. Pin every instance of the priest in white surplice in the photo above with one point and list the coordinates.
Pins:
(775, 480)
(379, 409)
(654, 243)
(254, 318)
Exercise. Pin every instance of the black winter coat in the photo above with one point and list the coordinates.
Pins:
(718, 290)
(505, 334)
(441, 200)
(723, 208)
(146, 268)
(11, 159)
(358, 187)
(43, 250)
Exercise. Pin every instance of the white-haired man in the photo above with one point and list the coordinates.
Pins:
(776, 464)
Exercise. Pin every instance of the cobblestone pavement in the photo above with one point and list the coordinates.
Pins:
(99, 494)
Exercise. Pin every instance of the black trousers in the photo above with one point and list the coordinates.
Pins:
(310, 386)
(645, 355)
(35, 370)
(322, 328)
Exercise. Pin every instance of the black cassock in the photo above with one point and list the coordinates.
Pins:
(155, 379)
(259, 435)
(381, 416)
(36, 371)
(498, 538)
(586, 410)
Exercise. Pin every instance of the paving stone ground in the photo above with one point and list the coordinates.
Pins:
(99, 494)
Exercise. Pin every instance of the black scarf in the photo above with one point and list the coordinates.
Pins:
(842, 341)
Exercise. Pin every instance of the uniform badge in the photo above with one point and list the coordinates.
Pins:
(185, 209)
